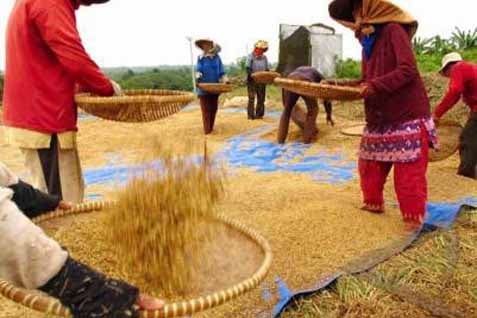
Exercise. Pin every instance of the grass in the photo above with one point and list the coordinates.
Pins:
(434, 278)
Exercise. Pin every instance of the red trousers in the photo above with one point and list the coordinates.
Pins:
(209, 105)
(409, 181)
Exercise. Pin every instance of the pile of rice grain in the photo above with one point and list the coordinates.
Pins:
(155, 225)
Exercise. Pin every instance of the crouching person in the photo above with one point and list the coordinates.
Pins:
(30, 259)
(306, 122)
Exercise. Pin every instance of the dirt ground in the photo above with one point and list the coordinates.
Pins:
(314, 227)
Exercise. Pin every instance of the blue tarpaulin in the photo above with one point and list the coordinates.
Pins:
(249, 151)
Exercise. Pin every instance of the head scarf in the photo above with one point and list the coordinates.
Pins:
(362, 15)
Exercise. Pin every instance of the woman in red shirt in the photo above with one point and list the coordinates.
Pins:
(399, 127)
(45, 59)
(463, 83)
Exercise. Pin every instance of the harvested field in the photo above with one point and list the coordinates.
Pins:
(315, 227)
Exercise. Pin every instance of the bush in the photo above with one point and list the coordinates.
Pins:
(177, 79)
(349, 69)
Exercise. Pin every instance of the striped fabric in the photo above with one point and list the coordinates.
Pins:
(397, 143)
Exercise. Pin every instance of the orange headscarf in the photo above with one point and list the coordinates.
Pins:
(375, 12)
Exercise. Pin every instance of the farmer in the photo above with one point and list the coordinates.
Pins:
(399, 128)
(257, 62)
(309, 74)
(463, 82)
(44, 61)
(209, 70)
(30, 259)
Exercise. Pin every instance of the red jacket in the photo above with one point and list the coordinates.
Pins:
(463, 82)
(392, 72)
(44, 60)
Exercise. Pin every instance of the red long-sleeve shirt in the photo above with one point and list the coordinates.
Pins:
(44, 60)
(392, 72)
(463, 82)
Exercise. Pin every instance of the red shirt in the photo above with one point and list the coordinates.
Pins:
(463, 82)
(392, 72)
(44, 60)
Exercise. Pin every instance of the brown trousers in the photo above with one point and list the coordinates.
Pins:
(309, 126)
(260, 91)
(209, 105)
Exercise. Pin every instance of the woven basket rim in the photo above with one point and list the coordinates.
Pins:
(48, 305)
(304, 84)
(435, 156)
(263, 73)
(346, 130)
(168, 96)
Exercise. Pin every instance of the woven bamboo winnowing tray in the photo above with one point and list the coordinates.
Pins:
(39, 302)
(354, 131)
(448, 134)
(322, 91)
(216, 88)
(265, 77)
(135, 106)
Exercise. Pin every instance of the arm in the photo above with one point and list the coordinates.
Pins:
(221, 67)
(57, 27)
(406, 69)
(198, 70)
(28, 258)
(33, 202)
(248, 68)
(454, 93)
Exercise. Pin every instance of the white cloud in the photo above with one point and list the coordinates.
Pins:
(152, 32)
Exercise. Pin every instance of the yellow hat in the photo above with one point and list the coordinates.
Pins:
(262, 45)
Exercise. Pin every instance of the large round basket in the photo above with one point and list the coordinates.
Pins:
(216, 88)
(448, 134)
(136, 105)
(265, 77)
(322, 91)
(39, 302)
(354, 130)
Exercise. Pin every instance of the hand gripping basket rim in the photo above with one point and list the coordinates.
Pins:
(143, 105)
(322, 91)
(265, 77)
(45, 304)
(216, 88)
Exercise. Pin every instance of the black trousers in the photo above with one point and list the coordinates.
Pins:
(259, 91)
(468, 148)
(50, 165)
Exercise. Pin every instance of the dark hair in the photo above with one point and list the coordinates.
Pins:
(343, 9)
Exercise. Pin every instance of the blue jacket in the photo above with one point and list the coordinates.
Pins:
(212, 70)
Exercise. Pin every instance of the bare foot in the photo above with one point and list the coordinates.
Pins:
(373, 208)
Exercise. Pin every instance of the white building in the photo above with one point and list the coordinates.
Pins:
(317, 45)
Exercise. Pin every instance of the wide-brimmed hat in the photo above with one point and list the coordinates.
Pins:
(94, 1)
(450, 58)
(262, 44)
(200, 42)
